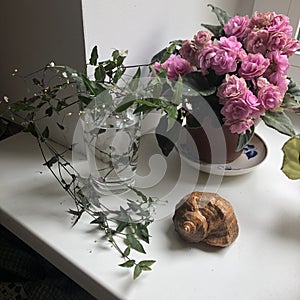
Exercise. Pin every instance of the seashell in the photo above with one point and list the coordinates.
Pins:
(206, 217)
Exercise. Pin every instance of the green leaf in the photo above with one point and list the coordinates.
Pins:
(121, 226)
(137, 272)
(49, 111)
(293, 89)
(172, 116)
(94, 56)
(291, 161)
(292, 96)
(84, 99)
(92, 86)
(140, 194)
(128, 264)
(216, 30)
(99, 73)
(221, 14)
(32, 129)
(134, 243)
(142, 231)
(245, 138)
(133, 206)
(85, 202)
(134, 83)
(120, 60)
(45, 133)
(279, 121)
(104, 98)
(151, 103)
(101, 219)
(71, 71)
(115, 54)
(165, 53)
(146, 263)
(199, 83)
(157, 89)
(166, 138)
(118, 74)
(60, 126)
(126, 103)
(36, 81)
(127, 251)
(177, 98)
(146, 268)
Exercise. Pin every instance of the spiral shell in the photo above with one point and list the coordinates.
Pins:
(206, 217)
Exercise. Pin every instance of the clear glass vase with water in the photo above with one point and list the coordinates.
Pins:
(112, 151)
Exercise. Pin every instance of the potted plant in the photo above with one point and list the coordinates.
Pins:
(239, 67)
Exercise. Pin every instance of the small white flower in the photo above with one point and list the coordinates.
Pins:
(64, 74)
(74, 75)
(5, 98)
(52, 64)
(189, 106)
(123, 52)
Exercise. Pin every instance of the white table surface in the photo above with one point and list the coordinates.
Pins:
(263, 263)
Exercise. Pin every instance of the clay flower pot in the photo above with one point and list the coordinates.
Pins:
(214, 145)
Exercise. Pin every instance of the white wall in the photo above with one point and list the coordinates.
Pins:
(279, 6)
(145, 27)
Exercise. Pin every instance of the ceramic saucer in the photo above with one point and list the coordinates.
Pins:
(253, 155)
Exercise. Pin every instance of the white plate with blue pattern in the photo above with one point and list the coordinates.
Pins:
(253, 155)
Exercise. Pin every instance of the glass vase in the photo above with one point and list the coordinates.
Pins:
(112, 151)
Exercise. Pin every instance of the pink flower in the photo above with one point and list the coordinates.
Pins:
(202, 39)
(280, 81)
(278, 63)
(189, 51)
(277, 41)
(230, 44)
(290, 47)
(239, 127)
(206, 56)
(269, 97)
(262, 82)
(241, 108)
(280, 23)
(262, 20)
(254, 65)
(257, 41)
(223, 62)
(176, 66)
(237, 26)
(232, 88)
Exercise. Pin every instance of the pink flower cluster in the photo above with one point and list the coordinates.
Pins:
(252, 58)
(175, 66)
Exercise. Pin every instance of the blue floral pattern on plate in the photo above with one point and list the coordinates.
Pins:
(250, 151)
(253, 155)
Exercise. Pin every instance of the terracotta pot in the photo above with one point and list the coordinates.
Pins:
(214, 145)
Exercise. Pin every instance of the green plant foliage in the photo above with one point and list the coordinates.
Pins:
(245, 138)
(291, 161)
(279, 121)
